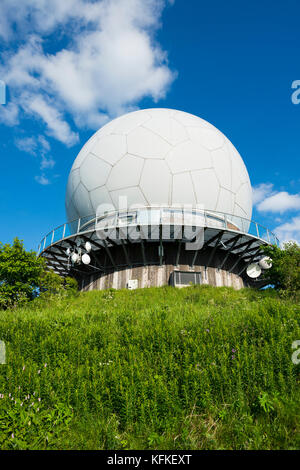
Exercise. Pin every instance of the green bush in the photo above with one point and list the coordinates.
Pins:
(51, 284)
(23, 276)
(285, 271)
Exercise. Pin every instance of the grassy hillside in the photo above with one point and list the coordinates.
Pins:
(159, 368)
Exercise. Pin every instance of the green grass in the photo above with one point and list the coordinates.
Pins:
(159, 368)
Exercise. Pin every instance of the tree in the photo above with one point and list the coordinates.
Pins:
(51, 283)
(285, 271)
(23, 276)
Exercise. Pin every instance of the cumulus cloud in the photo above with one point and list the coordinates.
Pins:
(103, 60)
(102, 71)
(9, 115)
(267, 199)
(280, 202)
(38, 147)
(41, 179)
(27, 144)
(260, 191)
(289, 231)
(57, 127)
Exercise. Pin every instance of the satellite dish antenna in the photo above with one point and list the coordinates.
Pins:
(86, 259)
(88, 247)
(265, 262)
(75, 258)
(253, 270)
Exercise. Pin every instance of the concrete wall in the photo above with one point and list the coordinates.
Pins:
(149, 276)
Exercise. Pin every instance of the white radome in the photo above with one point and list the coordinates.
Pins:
(158, 157)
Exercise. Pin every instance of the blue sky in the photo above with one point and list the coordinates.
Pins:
(71, 66)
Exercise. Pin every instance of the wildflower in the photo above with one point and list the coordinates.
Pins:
(45, 365)
(21, 404)
(37, 409)
(39, 371)
(1, 395)
(23, 368)
(39, 399)
(207, 330)
(12, 436)
(233, 350)
(233, 356)
(9, 395)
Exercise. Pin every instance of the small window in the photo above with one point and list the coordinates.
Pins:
(186, 278)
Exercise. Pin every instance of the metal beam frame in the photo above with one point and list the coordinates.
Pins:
(249, 243)
(242, 244)
(109, 253)
(249, 262)
(53, 257)
(204, 247)
(160, 246)
(245, 251)
(211, 257)
(234, 241)
(125, 253)
(178, 253)
(143, 252)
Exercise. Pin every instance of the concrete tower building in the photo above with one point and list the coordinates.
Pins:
(157, 197)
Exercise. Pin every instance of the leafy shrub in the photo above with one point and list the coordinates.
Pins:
(23, 276)
(285, 271)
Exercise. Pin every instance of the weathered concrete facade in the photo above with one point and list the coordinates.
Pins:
(150, 276)
(154, 274)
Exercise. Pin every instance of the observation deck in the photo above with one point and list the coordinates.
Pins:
(126, 239)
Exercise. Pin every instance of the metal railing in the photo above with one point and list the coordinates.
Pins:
(158, 216)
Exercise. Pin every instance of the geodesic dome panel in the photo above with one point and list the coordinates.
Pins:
(159, 156)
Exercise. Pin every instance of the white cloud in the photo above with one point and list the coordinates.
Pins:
(56, 126)
(42, 180)
(109, 62)
(42, 15)
(27, 144)
(38, 147)
(261, 191)
(289, 231)
(9, 114)
(280, 202)
(268, 200)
